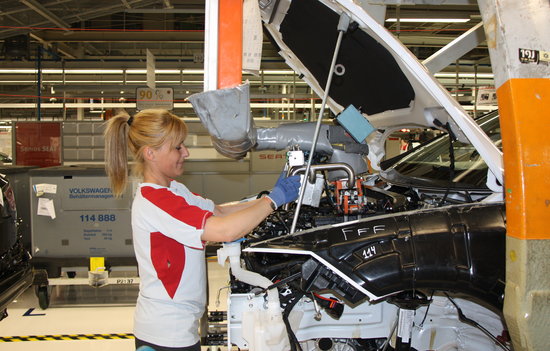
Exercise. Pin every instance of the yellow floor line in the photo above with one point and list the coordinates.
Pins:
(65, 337)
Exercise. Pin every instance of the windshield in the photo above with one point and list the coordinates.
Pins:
(432, 161)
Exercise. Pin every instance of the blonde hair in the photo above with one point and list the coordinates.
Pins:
(150, 128)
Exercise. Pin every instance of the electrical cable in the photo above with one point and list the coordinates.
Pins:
(282, 221)
(329, 197)
(427, 309)
(294, 343)
(281, 282)
(466, 320)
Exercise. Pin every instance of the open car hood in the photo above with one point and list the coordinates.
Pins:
(374, 72)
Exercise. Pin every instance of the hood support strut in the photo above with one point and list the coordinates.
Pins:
(343, 25)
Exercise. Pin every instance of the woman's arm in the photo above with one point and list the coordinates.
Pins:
(233, 222)
(231, 207)
(236, 220)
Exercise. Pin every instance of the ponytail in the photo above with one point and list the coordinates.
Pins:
(116, 152)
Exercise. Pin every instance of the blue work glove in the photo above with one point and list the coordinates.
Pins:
(285, 190)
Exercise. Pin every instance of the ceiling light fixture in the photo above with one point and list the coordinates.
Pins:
(465, 75)
(428, 16)
(430, 20)
(121, 71)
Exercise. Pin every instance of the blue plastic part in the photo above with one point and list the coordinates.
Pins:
(355, 124)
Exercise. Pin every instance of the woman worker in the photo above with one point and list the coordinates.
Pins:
(170, 225)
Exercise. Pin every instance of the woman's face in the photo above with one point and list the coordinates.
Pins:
(169, 159)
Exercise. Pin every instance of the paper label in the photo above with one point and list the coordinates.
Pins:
(46, 207)
(405, 325)
(252, 37)
(41, 189)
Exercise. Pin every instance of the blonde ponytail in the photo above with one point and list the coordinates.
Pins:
(116, 152)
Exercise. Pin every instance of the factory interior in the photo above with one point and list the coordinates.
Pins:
(412, 126)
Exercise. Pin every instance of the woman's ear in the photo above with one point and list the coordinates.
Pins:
(148, 153)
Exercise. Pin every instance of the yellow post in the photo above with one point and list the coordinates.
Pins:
(518, 40)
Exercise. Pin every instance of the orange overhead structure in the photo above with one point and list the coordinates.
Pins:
(230, 43)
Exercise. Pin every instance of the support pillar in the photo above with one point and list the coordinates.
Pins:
(522, 79)
(230, 43)
(79, 111)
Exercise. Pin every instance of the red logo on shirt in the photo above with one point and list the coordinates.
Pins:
(168, 257)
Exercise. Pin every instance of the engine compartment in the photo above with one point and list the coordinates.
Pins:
(459, 248)
(373, 248)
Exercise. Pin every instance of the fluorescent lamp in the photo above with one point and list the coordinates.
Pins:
(465, 75)
(192, 71)
(60, 71)
(90, 71)
(121, 71)
(431, 20)
(18, 71)
(157, 71)
(480, 107)
(277, 71)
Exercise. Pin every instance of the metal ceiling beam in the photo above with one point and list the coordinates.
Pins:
(126, 4)
(81, 16)
(108, 10)
(61, 47)
(118, 36)
(44, 12)
(18, 10)
(197, 37)
(168, 10)
(425, 40)
(455, 49)
(47, 14)
(92, 49)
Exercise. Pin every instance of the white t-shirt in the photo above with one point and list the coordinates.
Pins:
(167, 225)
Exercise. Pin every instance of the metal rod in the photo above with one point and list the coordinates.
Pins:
(342, 23)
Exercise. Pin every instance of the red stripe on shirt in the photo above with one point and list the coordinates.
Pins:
(168, 258)
(176, 206)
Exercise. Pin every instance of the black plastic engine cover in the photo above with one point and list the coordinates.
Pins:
(457, 248)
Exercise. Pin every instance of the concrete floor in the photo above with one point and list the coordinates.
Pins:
(81, 309)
